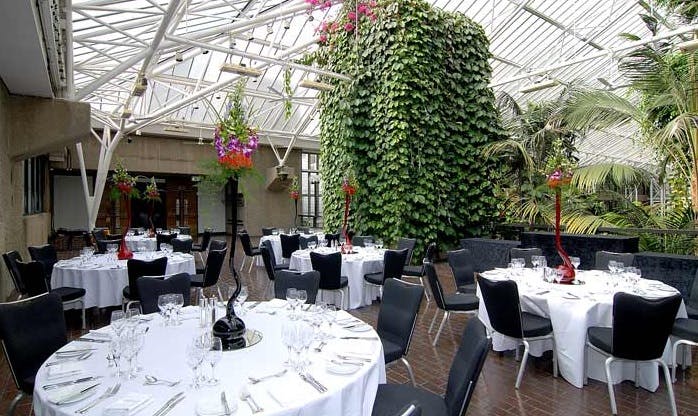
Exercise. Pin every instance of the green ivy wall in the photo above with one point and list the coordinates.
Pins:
(411, 125)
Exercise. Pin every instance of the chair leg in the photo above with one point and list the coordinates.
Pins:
(669, 387)
(220, 295)
(674, 362)
(609, 381)
(522, 367)
(585, 380)
(409, 369)
(242, 265)
(555, 363)
(637, 375)
(441, 327)
(426, 292)
(13, 404)
(436, 313)
(84, 324)
(251, 264)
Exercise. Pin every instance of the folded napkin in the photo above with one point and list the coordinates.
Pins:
(213, 405)
(58, 396)
(64, 370)
(287, 394)
(127, 405)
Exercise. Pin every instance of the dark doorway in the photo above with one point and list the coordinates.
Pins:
(142, 209)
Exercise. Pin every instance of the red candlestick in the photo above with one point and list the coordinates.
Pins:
(566, 267)
(124, 253)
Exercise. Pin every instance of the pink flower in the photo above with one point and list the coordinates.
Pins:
(323, 38)
(363, 9)
(334, 27)
(324, 26)
(373, 3)
(372, 16)
(351, 16)
(349, 27)
(327, 5)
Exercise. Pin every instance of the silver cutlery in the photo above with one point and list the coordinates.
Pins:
(355, 325)
(347, 362)
(101, 341)
(268, 312)
(353, 358)
(317, 386)
(71, 352)
(320, 347)
(226, 407)
(254, 305)
(543, 292)
(75, 395)
(171, 406)
(255, 380)
(152, 380)
(111, 391)
(573, 296)
(68, 383)
(165, 407)
(246, 397)
(314, 380)
(364, 338)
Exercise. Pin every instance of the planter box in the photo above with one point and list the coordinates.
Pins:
(488, 253)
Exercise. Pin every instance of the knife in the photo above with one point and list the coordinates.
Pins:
(75, 395)
(309, 381)
(225, 403)
(354, 325)
(314, 380)
(168, 403)
(92, 340)
(171, 406)
(253, 306)
(573, 295)
(366, 338)
(68, 383)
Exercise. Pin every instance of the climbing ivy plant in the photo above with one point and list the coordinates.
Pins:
(411, 124)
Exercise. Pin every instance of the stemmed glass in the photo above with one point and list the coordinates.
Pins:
(302, 297)
(129, 348)
(213, 356)
(576, 261)
(115, 353)
(379, 244)
(178, 303)
(118, 322)
(291, 297)
(242, 297)
(194, 358)
(164, 306)
(312, 245)
(287, 338)
(331, 315)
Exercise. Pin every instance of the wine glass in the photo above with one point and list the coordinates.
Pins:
(287, 336)
(163, 305)
(132, 315)
(115, 353)
(312, 245)
(302, 297)
(331, 314)
(194, 358)
(178, 303)
(118, 322)
(213, 356)
(291, 296)
(242, 297)
(575, 262)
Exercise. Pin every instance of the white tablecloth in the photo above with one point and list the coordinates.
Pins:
(104, 280)
(163, 356)
(141, 243)
(571, 317)
(276, 245)
(354, 266)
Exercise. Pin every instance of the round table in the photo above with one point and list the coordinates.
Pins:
(276, 246)
(104, 279)
(354, 266)
(572, 309)
(145, 243)
(163, 356)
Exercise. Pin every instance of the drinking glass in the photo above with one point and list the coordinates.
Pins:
(194, 358)
(291, 297)
(118, 322)
(331, 314)
(302, 297)
(575, 262)
(535, 261)
(178, 302)
(132, 315)
(213, 356)
(129, 348)
(163, 301)
(312, 245)
(115, 353)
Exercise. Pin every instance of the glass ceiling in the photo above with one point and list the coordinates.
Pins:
(179, 47)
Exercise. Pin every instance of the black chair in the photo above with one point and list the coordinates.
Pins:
(411, 409)
(396, 319)
(250, 252)
(417, 272)
(45, 255)
(272, 257)
(289, 244)
(100, 234)
(217, 244)
(686, 330)
(329, 238)
(504, 310)
(449, 303)
(603, 257)
(407, 243)
(525, 253)
(184, 229)
(139, 268)
(150, 288)
(462, 379)
(640, 331)
(361, 240)
(211, 274)
(164, 239)
(393, 265)
(102, 244)
(330, 268)
(201, 247)
(182, 246)
(268, 230)
(11, 258)
(303, 241)
(303, 230)
(692, 301)
(308, 281)
(31, 330)
(33, 278)
(461, 263)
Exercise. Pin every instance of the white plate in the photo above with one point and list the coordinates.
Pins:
(360, 328)
(214, 407)
(79, 397)
(342, 369)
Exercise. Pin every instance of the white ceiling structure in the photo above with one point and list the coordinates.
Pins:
(178, 46)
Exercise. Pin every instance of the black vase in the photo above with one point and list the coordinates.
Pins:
(231, 329)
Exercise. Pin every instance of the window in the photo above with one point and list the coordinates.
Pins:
(311, 190)
(34, 183)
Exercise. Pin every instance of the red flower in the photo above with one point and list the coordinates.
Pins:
(235, 160)
(323, 38)
(351, 16)
(294, 195)
(349, 27)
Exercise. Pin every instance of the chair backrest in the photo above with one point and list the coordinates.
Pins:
(303, 230)
(184, 229)
(33, 277)
(267, 259)
(642, 326)
(150, 288)
(525, 253)
(164, 239)
(139, 268)
(11, 258)
(303, 241)
(398, 312)
(102, 244)
(330, 268)
(502, 302)
(434, 284)
(330, 237)
(308, 281)
(99, 233)
(217, 245)
(466, 367)
(410, 409)
(394, 263)
(205, 240)
(289, 244)
(603, 257)
(46, 255)
(182, 246)
(360, 240)
(268, 230)
(246, 243)
(461, 263)
(692, 300)
(31, 330)
(407, 243)
(214, 265)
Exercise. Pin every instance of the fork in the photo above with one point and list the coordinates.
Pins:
(111, 391)
(255, 380)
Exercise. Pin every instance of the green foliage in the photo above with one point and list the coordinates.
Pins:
(288, 93)
(235, 121)
(411, 125)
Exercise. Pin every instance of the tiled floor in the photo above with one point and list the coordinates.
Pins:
(540, 393)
